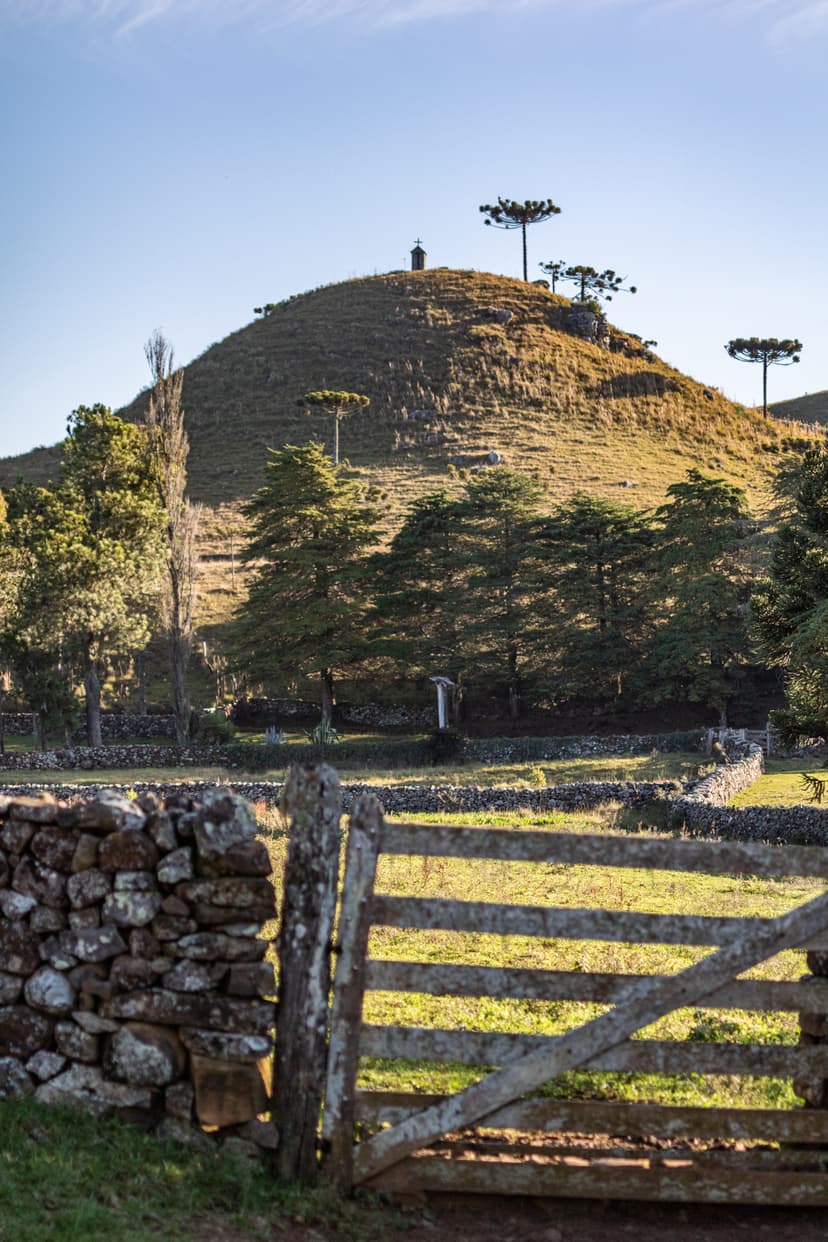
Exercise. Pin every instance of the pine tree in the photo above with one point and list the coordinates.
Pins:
(507, 214)
(791, 605)
(699, 593)
(306, 612)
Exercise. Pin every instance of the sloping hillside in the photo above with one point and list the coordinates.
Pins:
(812, 408)
(449, 383)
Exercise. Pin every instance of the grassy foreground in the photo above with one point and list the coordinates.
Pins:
(66, 1177)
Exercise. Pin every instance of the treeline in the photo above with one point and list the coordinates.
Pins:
(585, 602)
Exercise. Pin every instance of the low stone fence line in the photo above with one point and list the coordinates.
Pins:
(113, 725)
(403, 798)
(132, 975)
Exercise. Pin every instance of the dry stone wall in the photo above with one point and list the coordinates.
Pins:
(132, 971)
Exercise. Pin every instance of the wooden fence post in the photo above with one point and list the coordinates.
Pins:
(312, 801)
(364, 836)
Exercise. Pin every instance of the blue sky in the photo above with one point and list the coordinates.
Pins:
(173, 163)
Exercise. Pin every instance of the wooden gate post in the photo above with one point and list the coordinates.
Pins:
(364, 838)
(311, 799)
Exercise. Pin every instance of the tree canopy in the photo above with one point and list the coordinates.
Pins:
(768, 351)
(508, 214)
(83, 559)
(339, 404)
(790, 606)
(591, 283)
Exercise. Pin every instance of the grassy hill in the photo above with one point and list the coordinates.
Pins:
(448, 384)
(812, 408)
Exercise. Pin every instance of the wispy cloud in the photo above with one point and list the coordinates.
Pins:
(782, 20)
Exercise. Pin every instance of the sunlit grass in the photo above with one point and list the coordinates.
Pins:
(781, 784)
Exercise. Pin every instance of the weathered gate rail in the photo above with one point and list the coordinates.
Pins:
(404, 1157)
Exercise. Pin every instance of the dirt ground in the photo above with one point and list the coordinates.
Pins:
(454, 1218)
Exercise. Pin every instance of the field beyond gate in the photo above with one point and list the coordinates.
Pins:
(498, 1135)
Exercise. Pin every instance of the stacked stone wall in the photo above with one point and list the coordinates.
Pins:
(132, 971)
(113, 725)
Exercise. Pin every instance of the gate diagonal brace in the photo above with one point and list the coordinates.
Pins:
(646, 1002)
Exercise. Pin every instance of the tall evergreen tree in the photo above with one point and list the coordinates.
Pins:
(791, 605)
(598, 554)
(420, 593)
(312, 529)
(699, 591)
(498, 526)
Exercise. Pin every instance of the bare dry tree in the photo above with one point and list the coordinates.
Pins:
(170, 447)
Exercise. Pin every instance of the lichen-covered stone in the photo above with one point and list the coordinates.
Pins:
(15, 1083)
(97, 944)
(44, 920)
(46, 885)
(55, 951)
(129, 973)
(134, 882)
(81, 920)
(128, 851)
(144, 1055)
(159, 827)
(49, 991)
(75, 1043)
(247, 894)
(15, 906)
(224, 1046)
(88, 887)
(22, 1031)
(175, 906)
(224, 820)
(44, 1065)
(131, 909)
(55, 847)
(218, 1013)
(213, 946)
(18, 949)
(93, 1023)
(188, 976)
(177, 866)
(84, 1087)
(110, 812)
(263, 1133)
(143, 942)
(16, 835)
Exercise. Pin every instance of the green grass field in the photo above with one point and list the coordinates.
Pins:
(781, 784)
(591, 887)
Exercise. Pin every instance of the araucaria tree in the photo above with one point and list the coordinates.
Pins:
(506, 214)
(591, 283)
(169, 448)
(84, 560)
(766, 350)
(790, 607)
(339, 404)
(306, 612)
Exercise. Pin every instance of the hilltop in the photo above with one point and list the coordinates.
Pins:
(449, 382)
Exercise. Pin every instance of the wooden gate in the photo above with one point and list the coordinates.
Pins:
(495, 1136)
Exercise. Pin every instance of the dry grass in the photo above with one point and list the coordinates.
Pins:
(618, 423)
